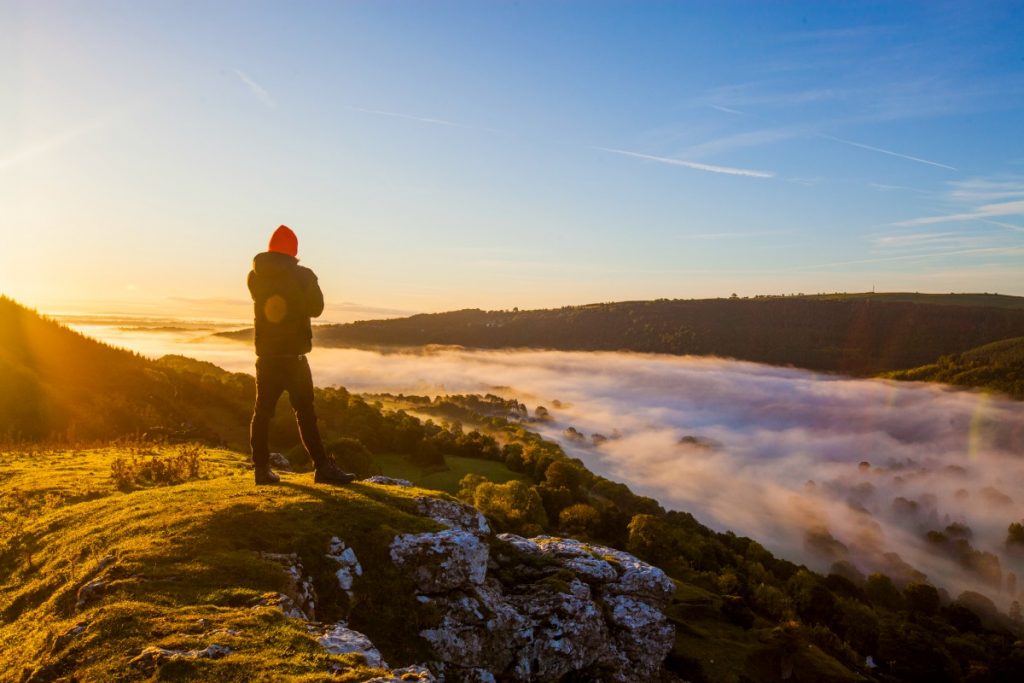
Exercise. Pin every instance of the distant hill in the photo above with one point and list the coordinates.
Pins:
(858, 334)
(997, 367)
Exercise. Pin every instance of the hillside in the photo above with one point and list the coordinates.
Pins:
(854, 334)
(56, 383)
(995, 367)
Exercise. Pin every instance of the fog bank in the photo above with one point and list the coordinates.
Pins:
(817, 468)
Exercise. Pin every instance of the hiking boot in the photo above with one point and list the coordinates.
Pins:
(330, 473)
(265, 475)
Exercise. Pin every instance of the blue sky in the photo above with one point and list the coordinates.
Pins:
(446, 155)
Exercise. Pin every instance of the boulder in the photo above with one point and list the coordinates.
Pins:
(338, 639)
(454, 515)
(441, 561)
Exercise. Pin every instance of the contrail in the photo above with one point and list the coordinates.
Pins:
(728, 170)
(889, 152)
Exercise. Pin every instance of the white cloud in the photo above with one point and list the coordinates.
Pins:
(1015, 208)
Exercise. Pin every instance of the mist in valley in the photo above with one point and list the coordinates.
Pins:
(915, 480)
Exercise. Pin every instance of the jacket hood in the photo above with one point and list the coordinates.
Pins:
(273, 261)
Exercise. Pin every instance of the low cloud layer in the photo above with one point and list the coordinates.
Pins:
(818, 468)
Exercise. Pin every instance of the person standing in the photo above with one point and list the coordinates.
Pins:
(285, 296)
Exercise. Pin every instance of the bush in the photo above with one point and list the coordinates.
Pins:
(513, 506)
(352, 456)
(158, 470)
(580, 519)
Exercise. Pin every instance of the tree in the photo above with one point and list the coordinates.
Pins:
(513, 506)
(882, 592)
(922, 598)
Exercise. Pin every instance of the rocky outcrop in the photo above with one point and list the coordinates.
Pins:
(299, 602)
(504, 607)
(454, 515)
(441, 561)
(548, 609)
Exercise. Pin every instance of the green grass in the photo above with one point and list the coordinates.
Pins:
(184, 553)
(398, 466)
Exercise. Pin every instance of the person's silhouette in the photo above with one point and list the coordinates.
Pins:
(285, 296)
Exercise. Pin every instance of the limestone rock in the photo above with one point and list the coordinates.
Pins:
(387, 481)
(300, 587)
(478, 628)
(341, 640)
(441, 561)
(454, 515)
(642, 635)
(616, 572)
(569, 633)
(283, 603)
(348, 563)
(587, 613)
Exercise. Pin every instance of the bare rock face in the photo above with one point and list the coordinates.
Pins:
(478, 628)
(441, 561)
(581, 611)
(569, 632)
(642, 636)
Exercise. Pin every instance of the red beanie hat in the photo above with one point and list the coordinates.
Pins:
(284, 241)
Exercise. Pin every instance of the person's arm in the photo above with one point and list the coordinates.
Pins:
(314, 297)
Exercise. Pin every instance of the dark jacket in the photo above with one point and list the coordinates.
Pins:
(285, 296)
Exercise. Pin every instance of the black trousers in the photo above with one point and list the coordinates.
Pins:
(274, 376)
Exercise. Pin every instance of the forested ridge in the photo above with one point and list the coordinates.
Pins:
(859, 335)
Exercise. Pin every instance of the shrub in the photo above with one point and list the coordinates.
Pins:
(580, 519)
(158, 470)
(352, 456)
(513, 506)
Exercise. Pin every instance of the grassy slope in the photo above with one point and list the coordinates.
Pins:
(188, 552)
(184, 553)
(400, 467)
